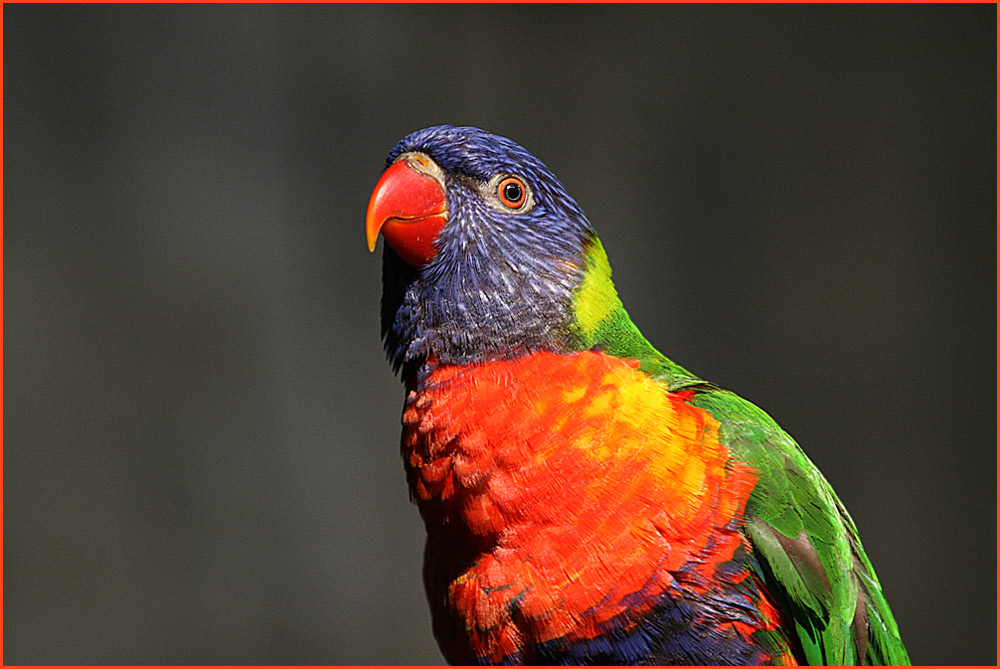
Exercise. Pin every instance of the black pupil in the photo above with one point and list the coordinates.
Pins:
(512, 192)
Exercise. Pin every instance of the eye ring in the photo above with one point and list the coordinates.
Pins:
(513, 192)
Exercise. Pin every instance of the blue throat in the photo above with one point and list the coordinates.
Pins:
(461, 318)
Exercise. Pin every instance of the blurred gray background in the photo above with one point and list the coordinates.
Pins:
(201, 439)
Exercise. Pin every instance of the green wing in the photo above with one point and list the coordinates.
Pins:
(807, 547)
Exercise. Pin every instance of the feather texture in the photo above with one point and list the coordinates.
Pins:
(549, 470)
(586, 499)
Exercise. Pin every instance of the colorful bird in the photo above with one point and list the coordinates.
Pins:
(586, 500)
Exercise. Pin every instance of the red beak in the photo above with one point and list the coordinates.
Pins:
(409, 208)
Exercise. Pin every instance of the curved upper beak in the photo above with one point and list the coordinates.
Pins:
(409, 208)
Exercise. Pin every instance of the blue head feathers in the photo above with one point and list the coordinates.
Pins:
(502, 279)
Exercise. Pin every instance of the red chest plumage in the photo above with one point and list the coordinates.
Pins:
(561, 492)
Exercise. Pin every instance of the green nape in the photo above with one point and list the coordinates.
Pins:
(602, 322)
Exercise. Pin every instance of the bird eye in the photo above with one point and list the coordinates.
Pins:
(512, 192)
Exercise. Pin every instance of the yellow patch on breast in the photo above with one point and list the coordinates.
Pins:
(583, 479)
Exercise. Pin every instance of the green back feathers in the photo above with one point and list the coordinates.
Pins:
(809, 554)
(806, 546)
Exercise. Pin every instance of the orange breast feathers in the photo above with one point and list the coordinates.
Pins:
(575, 481)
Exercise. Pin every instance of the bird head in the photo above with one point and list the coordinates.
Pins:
(486, 257)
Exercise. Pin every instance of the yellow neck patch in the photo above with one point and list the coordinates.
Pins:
(596, 298)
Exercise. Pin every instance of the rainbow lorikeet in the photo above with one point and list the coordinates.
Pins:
(586, 500)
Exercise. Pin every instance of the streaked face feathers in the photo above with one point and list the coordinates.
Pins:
(505, 266)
